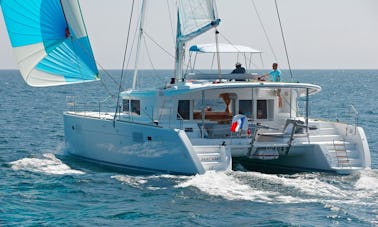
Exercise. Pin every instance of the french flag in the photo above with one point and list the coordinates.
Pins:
(239, 122)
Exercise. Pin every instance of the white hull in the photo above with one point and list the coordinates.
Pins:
(301, 158)
(331, 147)
(141, 147)
(149, 148)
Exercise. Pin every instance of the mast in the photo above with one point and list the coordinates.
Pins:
(180, 50)
(218, 56)
(141, 23)
(307, 108)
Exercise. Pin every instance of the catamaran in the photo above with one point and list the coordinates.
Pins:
(199, 121)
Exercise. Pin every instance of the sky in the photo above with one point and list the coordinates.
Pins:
(319, 34)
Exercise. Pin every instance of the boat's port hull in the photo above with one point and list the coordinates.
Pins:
(140, 147)
(129, 145)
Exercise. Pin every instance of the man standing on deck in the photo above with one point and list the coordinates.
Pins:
(275, 74)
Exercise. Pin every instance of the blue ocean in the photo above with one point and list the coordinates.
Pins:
(42, 186)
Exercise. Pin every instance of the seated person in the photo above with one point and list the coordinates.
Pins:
(238, 68)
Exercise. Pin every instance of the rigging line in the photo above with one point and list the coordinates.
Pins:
(283, 39)
(170, 21)
(229, 42)
(104, 71)
(132, 46)
(123, 62)
(264, 30)
(127, 64)
(162, 48)
(157, 44)
(127, 41)
(107, 89)
(148, 55)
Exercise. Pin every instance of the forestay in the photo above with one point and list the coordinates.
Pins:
(50, 41)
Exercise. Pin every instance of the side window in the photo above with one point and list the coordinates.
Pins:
(262, 112)
(270, 109)
(184, 109)
(125, 105)
(135, 106)
(245, 107)
(265, 109)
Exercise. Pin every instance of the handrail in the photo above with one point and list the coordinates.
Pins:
(356, 114)
(74, 106)
(341, 154)
(181, 119)
(347, 114)
(354, 109)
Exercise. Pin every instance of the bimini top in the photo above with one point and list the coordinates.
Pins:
(223, 48)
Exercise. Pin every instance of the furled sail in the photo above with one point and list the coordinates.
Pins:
(195, 18)
(50, 41)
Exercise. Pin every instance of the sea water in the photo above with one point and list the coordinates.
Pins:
(41, 186)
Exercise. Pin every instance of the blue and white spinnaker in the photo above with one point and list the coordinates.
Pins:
(50, 41)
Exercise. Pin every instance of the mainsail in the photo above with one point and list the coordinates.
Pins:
(50, 41)
(194, 18)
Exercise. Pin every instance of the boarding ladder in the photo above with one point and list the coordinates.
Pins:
(214, 157)
(341, 154)
(274, 148)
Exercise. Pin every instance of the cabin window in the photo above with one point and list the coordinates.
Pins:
(261, 109)
(125, 105)
(264, 109)
(184, 109)
(134, 107)
(245, 108)
(270, 109)
(213, 110)
(215, 105)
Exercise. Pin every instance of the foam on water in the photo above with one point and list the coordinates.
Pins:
(343, 196)
(49, 164)
(368, 181)
(308, 185)
(230, 187)
(134, 181)
(347, 199)
(144, 182)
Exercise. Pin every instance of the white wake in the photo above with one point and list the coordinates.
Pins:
(49, 164)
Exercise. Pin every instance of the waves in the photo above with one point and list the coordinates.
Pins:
(237, 185)
(360, 188)
(350, 198)
(48, 164)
